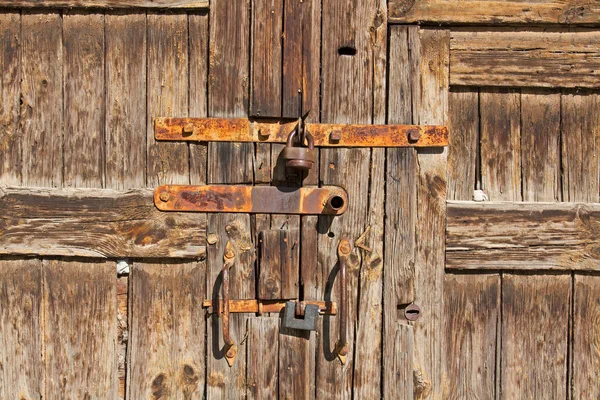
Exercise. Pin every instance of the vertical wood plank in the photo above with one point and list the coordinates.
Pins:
(167, 361)
(263, 349)
(10, 141)
(401, 353)
(500, 144)
(580, 115)
(463, 123)
(296, 356)
(84, 100)
(534, 345)
(167, 163)
(122, 285)
(471, 318)
(125, 101)
(267, 25)
(41, 114)
(585, 369)
(431, 214)
(80, 329)
(278, 274)
(540, 153)
(228, 87)
(21, 330)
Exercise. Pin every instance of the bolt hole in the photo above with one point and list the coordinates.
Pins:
(336, 202)
(347, 51)
(331, 234)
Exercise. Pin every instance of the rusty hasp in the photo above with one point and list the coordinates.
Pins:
(278, 131)
(328, 200)
(269, 306)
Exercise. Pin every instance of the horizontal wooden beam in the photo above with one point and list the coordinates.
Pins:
(106, 4)
(494, 12)
(522, 58)
(95, 223)
(523, 236)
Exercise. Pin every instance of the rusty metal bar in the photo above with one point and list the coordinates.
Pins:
(269, 306)
(277, 131)
(329, 200)
(342, 346)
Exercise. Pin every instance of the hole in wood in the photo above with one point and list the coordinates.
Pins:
(347, 51)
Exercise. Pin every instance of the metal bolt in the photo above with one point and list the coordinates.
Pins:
(414, 135)
(188, 129)
(212, 238)
(231, 353)
(164, 196)
(335, 136)
(345, 248)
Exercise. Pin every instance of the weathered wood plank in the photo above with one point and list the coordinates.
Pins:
(106, 4)
(84, 100)
(463, 123)
(95, 223)
(262, 349)
(500, 144)
(534, 345)
(122, 287)
(580, 119)
(471, 326)
(80, 328)
(296, 357)
(267, 29)
(10, 140)
(167, 360)
(401, 360)
(21, 330)
(531, 58)
(125, 100)
(278, 274)
(167, 163)
(41, 112)
(493, 12)
(523, 236)
(432, 108)
(585, 369)
(540, 146)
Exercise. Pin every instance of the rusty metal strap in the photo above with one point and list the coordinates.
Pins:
(277, 131)
(268, 306)
(329, 200)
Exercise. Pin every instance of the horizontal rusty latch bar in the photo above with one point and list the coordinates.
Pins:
(277, 131)
(268, 306)
(328, 200)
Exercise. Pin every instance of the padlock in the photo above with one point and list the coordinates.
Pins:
(299, 157)
(308, 323)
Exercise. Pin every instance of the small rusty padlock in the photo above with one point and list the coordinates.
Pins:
(299, 157)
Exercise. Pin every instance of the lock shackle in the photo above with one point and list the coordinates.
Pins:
(310, 142)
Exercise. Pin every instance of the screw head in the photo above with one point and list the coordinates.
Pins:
(412, 312)
(229, 254)
(231, 353)
(345, 248)
(164, 196)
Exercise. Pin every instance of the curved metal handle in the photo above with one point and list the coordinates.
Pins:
(230, 346)
(342, 346)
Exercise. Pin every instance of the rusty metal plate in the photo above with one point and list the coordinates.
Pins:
(277, 131)
(329, 200)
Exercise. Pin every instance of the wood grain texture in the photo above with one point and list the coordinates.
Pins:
(125, 101)
(80, 329)
(278, 274)
(534, 345)
(167, 91)
(401, 360)
(463, 124)
(522, 236)
(432, 108)
(580, 119)
(585, 368)
(10, 138)
(296, 364)
(263, 349)
(493, 12)
(540, 146)
(166, 361)
(106, 4)
(471, 324)
(84, 100)
(95, 223)
(500, 144)
(525, 58)
(21, 327)
(41, 112)
(267, 30)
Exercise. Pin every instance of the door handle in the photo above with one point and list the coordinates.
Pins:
(343, 250)
(230, 346)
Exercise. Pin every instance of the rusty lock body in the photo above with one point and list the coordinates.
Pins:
(301, 156)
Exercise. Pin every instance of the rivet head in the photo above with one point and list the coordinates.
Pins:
(229, 254)
(345, 248)
(164, 196)
(188, 129)
(414, 135)
(335, 136)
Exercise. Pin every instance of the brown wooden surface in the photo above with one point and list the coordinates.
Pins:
(262, 350)
(493, 12)
(278, 274)
(95, 223)
(522, 236)
(296, 364)
(525, 58)
(106, 4)
(534, 345)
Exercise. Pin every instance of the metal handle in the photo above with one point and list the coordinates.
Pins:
(230, 346)
(342, 346)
